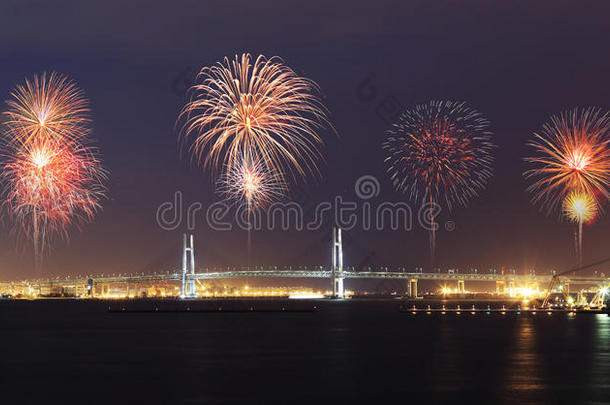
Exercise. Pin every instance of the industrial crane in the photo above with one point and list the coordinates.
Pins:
(598, 300)
(555, 281)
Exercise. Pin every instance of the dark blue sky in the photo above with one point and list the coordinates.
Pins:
(518, 62)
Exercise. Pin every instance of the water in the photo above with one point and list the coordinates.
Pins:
(61, 351)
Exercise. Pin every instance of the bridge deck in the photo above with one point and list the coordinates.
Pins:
(489, 277)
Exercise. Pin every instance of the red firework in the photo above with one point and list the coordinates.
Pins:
(50, 185)
(440, 153)
(51, 178)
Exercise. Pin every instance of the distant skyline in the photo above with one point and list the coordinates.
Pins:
(516, 62)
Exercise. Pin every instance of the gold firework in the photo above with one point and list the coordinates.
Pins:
(49, 106)
(580, 207)
(241, 107)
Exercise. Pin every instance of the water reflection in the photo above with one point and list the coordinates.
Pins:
(523, 368)
(600, 367)
(446, 367)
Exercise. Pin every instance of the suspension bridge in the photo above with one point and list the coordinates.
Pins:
(187, 276)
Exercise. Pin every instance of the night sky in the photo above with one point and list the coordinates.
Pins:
(518, 62)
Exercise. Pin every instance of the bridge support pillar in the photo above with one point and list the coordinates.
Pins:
(413, 288)
(188, 260)
(581, 298)
(338, 289)
(90, 287)
(337, 265)
(511, 288)
(501, 287)
(461, 287)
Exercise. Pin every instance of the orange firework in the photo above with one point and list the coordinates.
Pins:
(49, 106)
(573, 155)
(51, 178)
(240, 106)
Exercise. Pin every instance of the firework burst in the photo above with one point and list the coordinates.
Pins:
(572, 155)
(440, 153)
(48, 106)
(51, 179)
(248, 182)
(49, 185)
(580, 207)
(262, 106)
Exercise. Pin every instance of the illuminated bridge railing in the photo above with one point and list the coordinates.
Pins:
(392, 275)
(313, 273)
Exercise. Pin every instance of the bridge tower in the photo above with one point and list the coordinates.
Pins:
(413, 288)
(188, 257)
(337, 264)
(461, 287)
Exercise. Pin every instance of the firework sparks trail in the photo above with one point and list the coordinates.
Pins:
(440, 153)
(240, 107)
